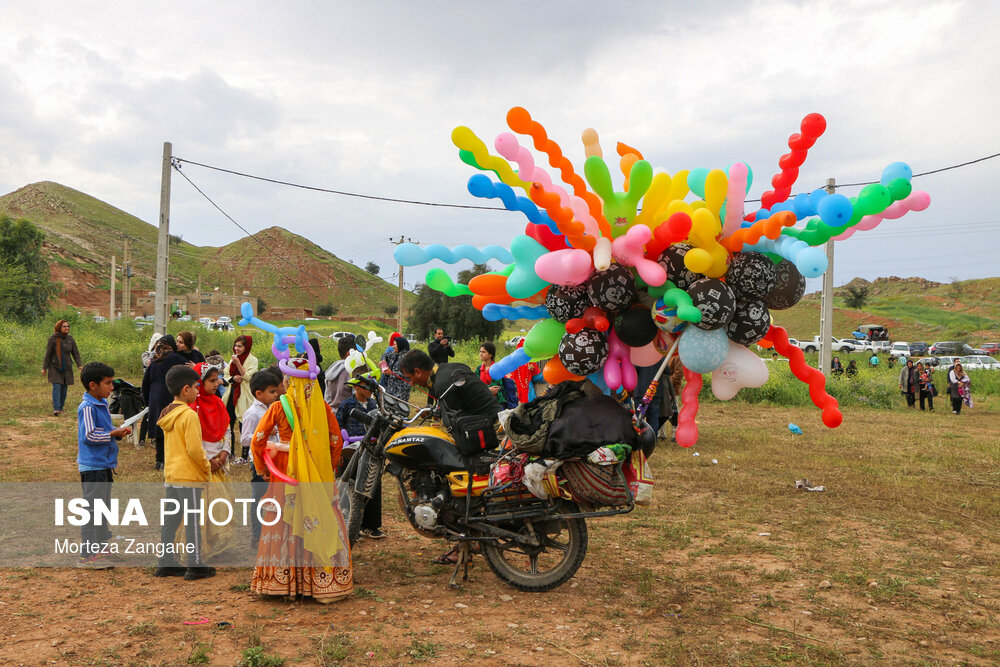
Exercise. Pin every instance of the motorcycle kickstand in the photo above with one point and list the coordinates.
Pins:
(464, 559)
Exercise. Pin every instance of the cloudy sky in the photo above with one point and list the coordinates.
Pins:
(362, 97)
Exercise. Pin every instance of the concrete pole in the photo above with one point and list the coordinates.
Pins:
(199, 298)
(111, 317)
(826, 303)
(399, 313)
(163, 244)
(127, 280)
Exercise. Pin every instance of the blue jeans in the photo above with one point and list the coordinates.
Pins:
(59, 392)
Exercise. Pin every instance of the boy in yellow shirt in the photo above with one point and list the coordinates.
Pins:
(186, 471)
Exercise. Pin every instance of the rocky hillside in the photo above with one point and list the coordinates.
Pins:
(82, 233)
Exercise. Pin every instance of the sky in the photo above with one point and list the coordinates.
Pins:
(362, 97)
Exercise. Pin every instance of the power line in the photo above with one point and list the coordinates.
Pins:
(397, 200)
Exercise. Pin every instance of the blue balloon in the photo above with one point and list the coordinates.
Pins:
(812, 262)
(803, 206)
(509, 364)
(835, 210)
(782, 206)
(495, 311)
(762, 214)
(894, 171)
(696, 181)
(815, 197)
(703, 351)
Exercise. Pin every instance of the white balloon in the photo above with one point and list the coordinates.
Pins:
(742, 368)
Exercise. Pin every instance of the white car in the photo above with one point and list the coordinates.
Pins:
(312, 319)
(514, 341)
(838, 345)
(184, 318)
(100, 319)
(900, 350)
(980, 362)
(224, 319)
(204, 320)
(337, 335)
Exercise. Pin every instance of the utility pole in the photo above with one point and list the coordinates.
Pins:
(199, 297)
(163, 243)
(399, 304)
(826, 302)
(127, 280)
(232, 302)
(111, 317)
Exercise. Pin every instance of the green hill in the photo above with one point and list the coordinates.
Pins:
(285, 269)
(913, 309)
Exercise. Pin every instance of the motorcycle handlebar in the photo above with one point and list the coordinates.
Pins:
(361, 416)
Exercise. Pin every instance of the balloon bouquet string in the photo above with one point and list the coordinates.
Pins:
(647, 399)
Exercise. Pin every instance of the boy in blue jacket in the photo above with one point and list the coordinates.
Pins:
(97, 456)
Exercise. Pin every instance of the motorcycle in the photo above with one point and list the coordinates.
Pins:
(531, 543)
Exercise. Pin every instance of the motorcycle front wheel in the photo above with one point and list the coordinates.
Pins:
(563, 545)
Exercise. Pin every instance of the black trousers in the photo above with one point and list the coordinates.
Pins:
(191, 497)
(956, 404)
(259, 487)
(911, 399)
(929, 397)
(96, 486)
(372, 518)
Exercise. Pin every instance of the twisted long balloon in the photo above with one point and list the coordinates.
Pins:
(806, 373)
(917, 201)
(495, 311)
(811, 262)
(686, 433)
(508, 146)
(480, 185)
(563, 217)
(768, 227)
(467, 140)
(411, 254)
(519, 120)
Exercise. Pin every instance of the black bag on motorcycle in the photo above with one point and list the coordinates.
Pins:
(474, 434)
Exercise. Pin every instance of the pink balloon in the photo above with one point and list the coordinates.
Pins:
(628, 249)
(735, 198)
(618, 369)
(916, 201)
(647, 355)
(571, 266)
(686, 432)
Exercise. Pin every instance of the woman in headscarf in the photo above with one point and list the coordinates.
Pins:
(242, 366)
(60, 352)
(306, 551)
(395, 383)
(154, 387)
(186, 348)
(959, 388)
(503, 389)
(927, 389)
(909, 383)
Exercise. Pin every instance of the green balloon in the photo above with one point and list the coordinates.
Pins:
(874, 198)
(438, 279)
(542, 341)
(900, 188)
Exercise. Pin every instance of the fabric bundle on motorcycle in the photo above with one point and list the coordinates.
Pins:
(586, 424)
(126, 399)
(595, 485)
(474, 434)
(528, 424)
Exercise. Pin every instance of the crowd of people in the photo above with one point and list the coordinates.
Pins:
(200, 406)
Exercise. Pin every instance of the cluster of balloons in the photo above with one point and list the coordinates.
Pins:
(617, 277)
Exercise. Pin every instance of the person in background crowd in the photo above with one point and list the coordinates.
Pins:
(503, 389)
(891, 361)
(60, 352)
(909, 383)
(335, 379)
(371, 520)
(524, 378)
(154, 387)
(241, 368)
(314, 344)
(873, 360)
(959, 388)
(440, 348)
(852, 368)
(392, 378)
(265, 387)
(925, 375)
(186, 348)
(836, 367)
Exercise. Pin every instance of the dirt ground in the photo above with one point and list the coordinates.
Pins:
(896, 562)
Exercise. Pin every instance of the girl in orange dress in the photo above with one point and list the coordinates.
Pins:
(306, 550)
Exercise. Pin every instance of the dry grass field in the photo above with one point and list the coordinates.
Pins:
(896, 562)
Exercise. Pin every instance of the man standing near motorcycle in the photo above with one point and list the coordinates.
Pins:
(470, 397)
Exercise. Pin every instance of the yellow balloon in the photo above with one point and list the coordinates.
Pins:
(655, 196)
(698, 260)
(467, 140)
(591, 143)
(705, 228)
(716, 185)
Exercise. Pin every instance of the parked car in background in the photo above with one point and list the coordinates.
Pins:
(953, 347)
(980, 362)
(927, 361)
(900, 350)
(880, 346)
(100, 319)
(838, 345)
(947, 361)
(513, 341)
(184, 318)
(992, 349)
(410, 337)
(337, 335)
(220, 326)
(204, 320)
(224, 318)
(312, 319)
(918, 349)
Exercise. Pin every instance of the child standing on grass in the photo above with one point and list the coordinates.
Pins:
(266, 390)
(214, 422)
(97, 456)
(371, 521)
(241, 368)
(186, 470)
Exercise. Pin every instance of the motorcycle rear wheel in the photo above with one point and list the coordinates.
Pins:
(547, 566)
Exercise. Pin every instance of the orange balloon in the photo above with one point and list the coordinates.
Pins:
(555, 372)
(489, 285)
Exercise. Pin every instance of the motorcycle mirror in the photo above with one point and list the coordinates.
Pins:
(459, 382)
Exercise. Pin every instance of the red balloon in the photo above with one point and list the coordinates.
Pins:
(813, 125)
(767, 200)
(800, 142)
(786, 179)
(781, 194)
(792, 160)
